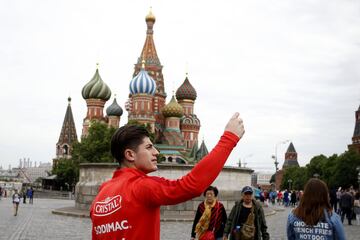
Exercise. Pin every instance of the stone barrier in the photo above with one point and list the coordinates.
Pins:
(229, 182)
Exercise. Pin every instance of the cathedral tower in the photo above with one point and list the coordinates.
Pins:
(96, 93)
(190, 124)
(67, 137)
(142, 90)
(114, 112)
(356, 136)
(154, 69)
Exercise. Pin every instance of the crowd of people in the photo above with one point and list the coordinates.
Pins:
(140, 196)
(16, 197)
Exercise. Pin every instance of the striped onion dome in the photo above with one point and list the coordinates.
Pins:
(142, 83)
(114, 109)
(96, 88)
(173, 109)
(186, 91)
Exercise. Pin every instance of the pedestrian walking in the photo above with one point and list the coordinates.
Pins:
(246, 219)
(293, 198)
(23, 193)
(210, 217)
(314, 218)
(16, 200)
(30, 194)
(128, 205)
(357, 207)
(346, 204)
(279, 197)
(333, 199)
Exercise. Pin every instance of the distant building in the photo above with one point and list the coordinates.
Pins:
(355, 145)
(261, 179)
(290, 161)
(291, 157)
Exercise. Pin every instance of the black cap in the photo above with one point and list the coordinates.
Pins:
(247, 189)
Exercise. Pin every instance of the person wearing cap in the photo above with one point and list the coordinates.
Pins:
(247, 214)
(128, 205)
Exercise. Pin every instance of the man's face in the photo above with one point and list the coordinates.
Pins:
(145, 158)
(247, 197)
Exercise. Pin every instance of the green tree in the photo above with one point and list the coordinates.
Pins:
(297, 176)
(345, 173)
(95, 147)
(67, 172)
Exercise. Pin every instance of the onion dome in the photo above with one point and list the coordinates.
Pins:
(190, 120)
(96, 88)
(150, 16)
(114, 109)
(142, 83)
(186, 91)
(173, 109)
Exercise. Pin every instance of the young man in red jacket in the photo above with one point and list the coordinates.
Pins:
(127, 207)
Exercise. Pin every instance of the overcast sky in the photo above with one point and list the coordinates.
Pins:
(291, 68)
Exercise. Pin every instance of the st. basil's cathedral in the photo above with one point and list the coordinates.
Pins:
(175, 124)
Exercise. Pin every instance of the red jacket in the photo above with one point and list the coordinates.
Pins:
(128, 206)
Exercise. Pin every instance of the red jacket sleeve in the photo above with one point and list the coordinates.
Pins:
(160, 191)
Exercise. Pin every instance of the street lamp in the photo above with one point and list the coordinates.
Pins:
(275, 156)
(289, 181)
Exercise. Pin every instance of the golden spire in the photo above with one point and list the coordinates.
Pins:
(150, 16)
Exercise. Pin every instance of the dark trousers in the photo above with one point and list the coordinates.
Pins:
(334, 206)
(347, 211)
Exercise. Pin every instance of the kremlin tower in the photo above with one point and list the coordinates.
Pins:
(356, 136)
(291, 157)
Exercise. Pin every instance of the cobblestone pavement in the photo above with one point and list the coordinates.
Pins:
(37, 222)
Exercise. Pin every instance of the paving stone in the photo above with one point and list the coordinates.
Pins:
(37, 222)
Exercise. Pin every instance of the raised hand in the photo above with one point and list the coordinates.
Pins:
(235, 125)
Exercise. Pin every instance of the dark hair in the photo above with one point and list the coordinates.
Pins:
(127, 137)
(211, 188)
(313, 202)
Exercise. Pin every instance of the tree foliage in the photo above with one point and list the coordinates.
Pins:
(67, 172)
(95, 147)
(336, 171)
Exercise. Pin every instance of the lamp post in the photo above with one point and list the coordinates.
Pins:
(289, 181)
(275, 156)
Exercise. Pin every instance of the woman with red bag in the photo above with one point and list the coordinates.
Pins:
(210, 217)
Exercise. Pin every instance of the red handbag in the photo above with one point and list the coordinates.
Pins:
(208, 235)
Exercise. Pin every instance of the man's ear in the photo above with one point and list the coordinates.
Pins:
(129, 155)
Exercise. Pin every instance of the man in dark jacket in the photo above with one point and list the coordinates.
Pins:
(346, 204)
(240, 215)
